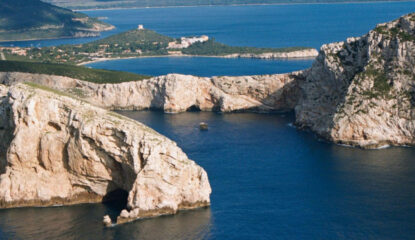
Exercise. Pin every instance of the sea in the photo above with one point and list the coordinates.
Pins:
(269, 179)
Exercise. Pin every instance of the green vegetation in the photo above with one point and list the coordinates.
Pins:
(213, 48)
(14, 57)
(402, 35)
(48, 89)
(82, 73)
(133, 43)
(381, 85)
(381, 29)
(134, 36)
(395, 32)
(34, 19)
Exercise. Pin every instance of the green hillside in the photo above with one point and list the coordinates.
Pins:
(33, 19)
(77, 72)
(213, 48)
(133, 43)
(127, 44)
(134, 36)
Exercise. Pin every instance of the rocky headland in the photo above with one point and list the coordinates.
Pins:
(58, 145)
(305, 53)
(56, 149)
(21, 21)
(180, 93)
(359, 92)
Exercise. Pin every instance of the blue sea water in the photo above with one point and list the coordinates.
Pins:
(262, 26)
(269, 180)
(203, 66)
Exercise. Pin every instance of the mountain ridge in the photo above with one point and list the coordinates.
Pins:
(33, 19)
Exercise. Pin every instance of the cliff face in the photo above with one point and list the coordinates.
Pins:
(59, 150)
(358, 92)
(361, 91)
(306, 53)
(179, 93)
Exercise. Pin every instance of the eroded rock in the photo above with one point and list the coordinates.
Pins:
(179, 93)
(305, 53)
(61, 150)
(107, 221)
(362, 91)
(359, 92)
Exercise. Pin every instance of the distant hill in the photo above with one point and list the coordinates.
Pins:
(33, 19)
(101, 4)
(144, 36)
(77, 72)
(145, 42)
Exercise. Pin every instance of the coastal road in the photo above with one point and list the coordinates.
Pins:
(2, 57)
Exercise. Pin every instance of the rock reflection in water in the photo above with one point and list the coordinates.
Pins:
(84, 222)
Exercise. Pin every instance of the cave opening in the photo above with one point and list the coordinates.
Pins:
(115, 201)
(193, 108)
(118, 195)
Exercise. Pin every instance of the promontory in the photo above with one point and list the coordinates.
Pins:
(58, 150)
(358, 92)
(20, 20)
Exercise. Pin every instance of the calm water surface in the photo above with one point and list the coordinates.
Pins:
(269, 181)
(263, 26)
(203, 66)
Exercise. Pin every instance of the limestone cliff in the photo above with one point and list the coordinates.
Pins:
(362, 91)
(56, 149)
(358, 92)
(306, 53)
(179, 93)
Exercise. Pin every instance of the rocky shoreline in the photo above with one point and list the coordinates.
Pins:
(79, 153)
(306, 54)
(299, 54)
(179, 93)
(359, 92)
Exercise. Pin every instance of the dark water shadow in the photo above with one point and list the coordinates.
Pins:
(84, 222)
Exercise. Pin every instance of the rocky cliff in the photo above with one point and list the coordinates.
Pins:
(358, 92)
(306, 53)
(361, 91)
(179, 93)
(56, 149)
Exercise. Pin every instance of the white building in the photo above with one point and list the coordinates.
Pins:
(140, 27)
(187, 41)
